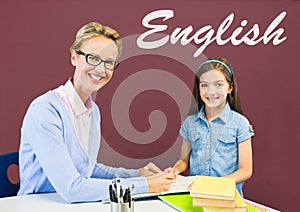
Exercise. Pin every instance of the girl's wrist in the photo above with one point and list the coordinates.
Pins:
(176, 172)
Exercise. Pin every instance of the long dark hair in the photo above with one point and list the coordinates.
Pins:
(232, 98)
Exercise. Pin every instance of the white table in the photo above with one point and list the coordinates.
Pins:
(52, 202)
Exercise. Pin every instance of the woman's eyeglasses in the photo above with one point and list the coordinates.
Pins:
(95, 61)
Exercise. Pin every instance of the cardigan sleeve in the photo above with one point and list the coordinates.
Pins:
(43, 130)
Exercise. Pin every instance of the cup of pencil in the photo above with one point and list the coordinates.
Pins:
(121, 207)
(120, 200)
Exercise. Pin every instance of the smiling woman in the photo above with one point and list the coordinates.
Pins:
(92, 72)
(61, 132)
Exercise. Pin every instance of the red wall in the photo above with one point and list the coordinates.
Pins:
(35, 37)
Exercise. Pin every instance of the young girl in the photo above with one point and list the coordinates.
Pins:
(216, 136)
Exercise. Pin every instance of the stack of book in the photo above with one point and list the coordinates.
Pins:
(216, 194)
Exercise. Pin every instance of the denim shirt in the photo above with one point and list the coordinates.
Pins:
(215, 146)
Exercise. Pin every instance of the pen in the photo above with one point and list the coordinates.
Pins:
(130, 196)
(111, 196)
(121, 194)
(152, 168)
(118, 190)
(126, 196)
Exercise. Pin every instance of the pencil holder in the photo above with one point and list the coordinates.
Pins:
(122, 207)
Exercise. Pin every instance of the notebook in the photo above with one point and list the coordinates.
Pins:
(181, 185)
(259, 207)
(213, 187)
(240, 205)
(184, 203)
(238, 201)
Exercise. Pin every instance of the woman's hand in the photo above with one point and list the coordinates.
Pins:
(160, 182)
(149, 169)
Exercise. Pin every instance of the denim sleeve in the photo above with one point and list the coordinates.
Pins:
(43, 130)
(184, 130)
(245, 130)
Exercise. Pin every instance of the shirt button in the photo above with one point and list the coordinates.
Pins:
(206, 163)
(226, 139)
(86, 163)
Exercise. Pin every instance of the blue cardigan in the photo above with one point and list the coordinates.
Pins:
(52, 160)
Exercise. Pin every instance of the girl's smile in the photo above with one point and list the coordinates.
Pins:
(212, 98)
(213, 89)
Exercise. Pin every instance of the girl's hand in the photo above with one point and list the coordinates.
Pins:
(174, 172)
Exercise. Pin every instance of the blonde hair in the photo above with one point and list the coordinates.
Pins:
(95, 29)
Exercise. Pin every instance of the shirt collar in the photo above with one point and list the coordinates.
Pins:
(75, 101)
(224, 115)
